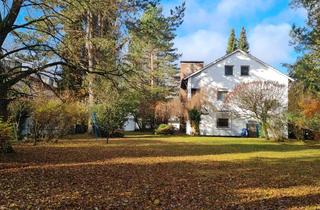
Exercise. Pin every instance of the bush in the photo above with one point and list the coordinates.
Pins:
(54, 118)
(6, 134)
(195, 118)
(165, 129)
(117, 134)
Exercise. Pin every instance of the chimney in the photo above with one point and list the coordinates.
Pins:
(189, 67)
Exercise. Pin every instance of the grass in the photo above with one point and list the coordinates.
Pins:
(162, 172)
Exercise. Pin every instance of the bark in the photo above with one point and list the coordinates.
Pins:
(6, 25)
(89, 49)
(265, 130)
(152, 68)
(4, 103)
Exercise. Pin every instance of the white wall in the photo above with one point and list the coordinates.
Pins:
(213, 77)
(130, 124)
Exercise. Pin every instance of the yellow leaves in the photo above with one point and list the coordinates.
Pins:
(156, 202)
(310, 106)
(150, 172)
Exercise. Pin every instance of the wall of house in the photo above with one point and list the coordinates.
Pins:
(213, 79)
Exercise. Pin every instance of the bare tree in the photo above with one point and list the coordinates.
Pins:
(180, 107)
(29, 41)
(264, 101)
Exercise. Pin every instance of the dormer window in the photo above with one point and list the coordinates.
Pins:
(228, 70)
(244, 70)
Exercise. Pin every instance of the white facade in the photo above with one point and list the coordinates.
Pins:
(130, 124)
(213, 76)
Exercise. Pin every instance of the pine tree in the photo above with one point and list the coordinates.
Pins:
(232, 43)
(243, 42)
(153, 57)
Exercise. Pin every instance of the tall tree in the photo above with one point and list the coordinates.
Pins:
(153, 57)
(304, 94)
(243, 42)
(232, 42)
(102, 33)
(307, 40)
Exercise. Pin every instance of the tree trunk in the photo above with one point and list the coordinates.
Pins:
(4, 105)
(35, 135)
(90, 65)
(265, 130)
(151, 69)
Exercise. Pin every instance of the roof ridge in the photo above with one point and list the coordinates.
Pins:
(235, 51)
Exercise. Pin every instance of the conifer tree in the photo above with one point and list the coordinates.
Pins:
(243, 42)
(232, 43)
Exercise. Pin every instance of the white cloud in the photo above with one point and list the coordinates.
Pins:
(270, 43)
(202, 45)
(243, 7)
(207, 24)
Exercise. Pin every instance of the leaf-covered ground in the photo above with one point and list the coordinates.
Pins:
(150, 172)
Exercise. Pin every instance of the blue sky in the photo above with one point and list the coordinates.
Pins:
(207, 24)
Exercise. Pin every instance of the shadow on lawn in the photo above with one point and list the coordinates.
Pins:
(99, 151)
(176, 184)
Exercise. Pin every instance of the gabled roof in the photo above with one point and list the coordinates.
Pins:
(232, 53)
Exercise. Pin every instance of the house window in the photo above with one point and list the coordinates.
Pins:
(244, 70)
(223, 123)
(222, 95)
(228, 70)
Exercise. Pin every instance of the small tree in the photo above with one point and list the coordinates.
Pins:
(264, 101)
(113, 107)
(232, 43)
(243, 42)
(6, 134)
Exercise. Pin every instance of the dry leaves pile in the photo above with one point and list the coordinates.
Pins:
(150, 173)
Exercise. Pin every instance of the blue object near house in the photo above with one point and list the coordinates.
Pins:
(244, 132)
(95, 126)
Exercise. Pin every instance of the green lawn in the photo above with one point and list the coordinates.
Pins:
(156, 172)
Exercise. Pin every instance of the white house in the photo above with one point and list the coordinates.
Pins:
(223, 75)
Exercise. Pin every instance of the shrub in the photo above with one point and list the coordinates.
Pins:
(6, 134)
(165, 129)
(117, 134)
(54, 118)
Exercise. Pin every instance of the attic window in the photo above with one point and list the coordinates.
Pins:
(244, 70)
(228, 70)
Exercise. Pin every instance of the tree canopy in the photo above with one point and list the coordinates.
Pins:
(232, 42)
(243, 43)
